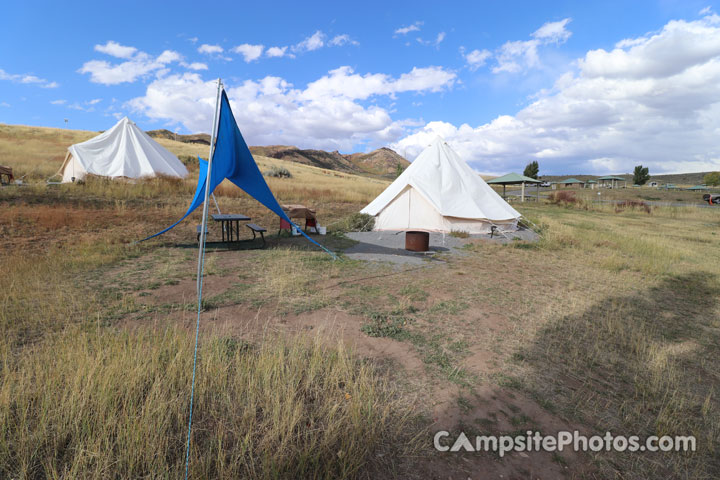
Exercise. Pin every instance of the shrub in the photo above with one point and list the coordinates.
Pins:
(632, 205)
(357, 222)
(278, 172)
(459, 234)
(384, 325)
(564, 198)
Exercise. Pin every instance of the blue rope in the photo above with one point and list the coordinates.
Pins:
(197, 336)
(313, 241)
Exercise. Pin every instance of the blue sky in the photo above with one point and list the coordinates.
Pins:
(581, 87)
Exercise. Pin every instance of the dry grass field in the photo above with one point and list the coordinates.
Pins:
(314, 368)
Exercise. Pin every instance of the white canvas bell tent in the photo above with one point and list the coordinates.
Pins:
(439, 192)
(123, 151)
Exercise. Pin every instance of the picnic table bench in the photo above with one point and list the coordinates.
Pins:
(257, 229)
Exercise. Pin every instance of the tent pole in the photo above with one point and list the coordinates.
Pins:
(522, 194)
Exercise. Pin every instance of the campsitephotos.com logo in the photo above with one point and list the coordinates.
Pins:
(537, 442)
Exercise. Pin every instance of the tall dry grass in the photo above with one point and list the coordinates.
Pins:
(80, 398)
(115, 405)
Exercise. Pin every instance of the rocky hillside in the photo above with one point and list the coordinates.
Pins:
(201, 138)
(382, 162)
(316, 158)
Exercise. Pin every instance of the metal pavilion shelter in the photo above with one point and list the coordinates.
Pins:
(516, 179)
(571, 181)
(613, 180)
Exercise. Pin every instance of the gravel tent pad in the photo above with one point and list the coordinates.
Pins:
(389, 246)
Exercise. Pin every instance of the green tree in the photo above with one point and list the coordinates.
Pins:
(532, 169)
(712, 178)
(641, 175)
(399, 169)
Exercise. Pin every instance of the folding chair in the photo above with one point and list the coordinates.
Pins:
(284, 225)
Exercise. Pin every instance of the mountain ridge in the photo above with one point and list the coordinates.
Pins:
(383, 162)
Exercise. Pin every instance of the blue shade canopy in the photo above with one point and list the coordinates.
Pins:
(232, 160)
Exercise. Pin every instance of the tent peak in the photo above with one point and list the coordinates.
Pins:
(438, 139)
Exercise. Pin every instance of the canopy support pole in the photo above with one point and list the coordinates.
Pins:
(522, 193)
(201, 267)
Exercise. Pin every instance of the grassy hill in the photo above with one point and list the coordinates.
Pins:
(38, 152)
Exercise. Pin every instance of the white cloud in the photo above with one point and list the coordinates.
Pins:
(410, 28)
(87, 106)
(654, 102)
(276, 51)
(4, 104)
(553, 32)
(58, 102)
(313, 42)
(169, 56)
(27, 79)
(193, 39)
(249, 52)
(194, 65)
(519, 56)
(340, 40)
(705, 11)
(326, 114)
(438, 40)
(114, 49)
(137, 65)
(476, 58)
(210, 49)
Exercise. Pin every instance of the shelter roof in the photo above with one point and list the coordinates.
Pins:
(513, 178)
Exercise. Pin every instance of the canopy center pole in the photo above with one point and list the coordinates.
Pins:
(201, 268)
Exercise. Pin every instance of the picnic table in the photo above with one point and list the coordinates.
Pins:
(227, 220)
